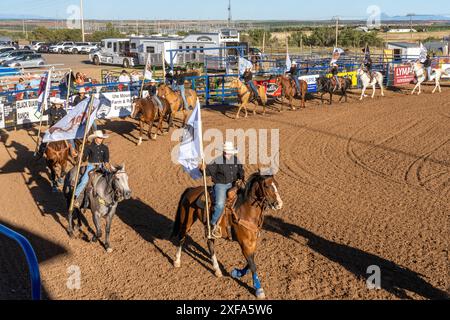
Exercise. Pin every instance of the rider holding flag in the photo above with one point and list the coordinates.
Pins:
(335, 68)
(367, 62)
(425, 60)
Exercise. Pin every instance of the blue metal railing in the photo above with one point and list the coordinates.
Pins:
(32, 261)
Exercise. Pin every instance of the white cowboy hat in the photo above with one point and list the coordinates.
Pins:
(97, 134)
(228, 148)
(82, 90)
(56, 101)
(294, 63)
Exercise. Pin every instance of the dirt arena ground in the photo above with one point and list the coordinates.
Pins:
(364, 183)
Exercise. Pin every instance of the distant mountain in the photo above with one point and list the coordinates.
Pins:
(5, 16)
(386, 17)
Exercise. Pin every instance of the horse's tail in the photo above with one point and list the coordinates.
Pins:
(263, 95)
(176, 230)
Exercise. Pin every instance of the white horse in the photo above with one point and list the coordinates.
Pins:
(367, 82)
(421, 76)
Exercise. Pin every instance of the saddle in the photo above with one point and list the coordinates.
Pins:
(228, 216)
(94, 177)
(294, 85)
(253, 97)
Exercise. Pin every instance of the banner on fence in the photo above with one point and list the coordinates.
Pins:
(2, 118)
(26, 112)
(311, 81)
(403, 75)
(446, 68)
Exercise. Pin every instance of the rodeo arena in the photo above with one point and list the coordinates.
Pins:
(106, 175)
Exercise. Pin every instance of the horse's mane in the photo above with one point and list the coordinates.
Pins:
(254, 178)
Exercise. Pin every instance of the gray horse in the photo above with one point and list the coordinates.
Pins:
(101, 197)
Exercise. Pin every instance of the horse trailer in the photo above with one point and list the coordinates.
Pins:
(114, 51)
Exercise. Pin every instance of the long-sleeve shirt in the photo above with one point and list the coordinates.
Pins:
(96, 153)
(248, 76)
(179, 79)
(55, 115)
(293, 71)
(224, 172)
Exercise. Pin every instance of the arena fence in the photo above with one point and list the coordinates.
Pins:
(31, 259)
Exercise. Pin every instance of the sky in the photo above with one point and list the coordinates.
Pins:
(217, 9)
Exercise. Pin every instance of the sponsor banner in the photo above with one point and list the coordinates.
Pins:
(311, 81)
(446, 68)
(120, 106)
(27, 112)
(2, 118)
(403, 75)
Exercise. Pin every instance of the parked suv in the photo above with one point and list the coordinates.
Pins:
(10, 55)
(32, 60)
(59, 48)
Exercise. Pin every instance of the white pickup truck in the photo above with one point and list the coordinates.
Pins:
(81, 47)
(114, 52)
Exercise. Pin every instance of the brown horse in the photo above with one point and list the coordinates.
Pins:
(176, 101)
(245, 95)
(148, 113)
(260, 193)
(289, 90)
(57, 154)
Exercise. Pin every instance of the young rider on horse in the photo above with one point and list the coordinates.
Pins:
(178, 83)
(55, 113)
(248, 79)
(97, 155)
(293, 72)
(334, 71)
(427, 66)
(367, 64)
(153, 93)
(225, 172)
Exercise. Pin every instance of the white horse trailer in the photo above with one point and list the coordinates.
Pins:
(140, 47)
(114, 52)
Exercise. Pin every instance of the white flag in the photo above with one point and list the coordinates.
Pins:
(288, 62)
(73, 125)
(191, 147)
(243, 65)
(148, 74)
(423, 53)
(44, 92)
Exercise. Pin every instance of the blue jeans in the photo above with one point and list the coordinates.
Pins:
(182, 90)
(158, 102)
(220, 191)
(72, 143)
(297, 83)
(429, 73)
(252, 86)
(84, 180)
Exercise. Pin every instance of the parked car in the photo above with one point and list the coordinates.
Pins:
(32, 60)
(36, 45)
(6, 49)
(59, 48)
(44, 48)
(92, 47)
(82, 47)
(10, 55)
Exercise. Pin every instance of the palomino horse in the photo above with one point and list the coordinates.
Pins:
(245, 94)
(148, 112)
(377, 78)
(176, 101)
(260, 194)
(326, 85)
(57, 154)
(103, 194)
(289, 90)
(420, 73)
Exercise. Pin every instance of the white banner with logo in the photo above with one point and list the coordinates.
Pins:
(311, 81)
(27, 112)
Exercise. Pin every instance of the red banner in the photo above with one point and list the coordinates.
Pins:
(403, 75)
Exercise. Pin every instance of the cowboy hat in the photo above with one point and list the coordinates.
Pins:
(97, 134)
(228, 148)
(82, 90)
(56, 101)
(294, 63)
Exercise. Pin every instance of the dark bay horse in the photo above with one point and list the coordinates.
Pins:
(103, 194)
(57, 154)
(289, 90)
(327, 85)
(148, 112)
(260, 193)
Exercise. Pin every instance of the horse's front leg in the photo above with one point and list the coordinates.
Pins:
(374, 91)
(109, 220)
(98, 227)
(141, 125)
(291, 103)
(214, 261)
(363, 93)
(239, 110)
(150, 130)
(415, 88)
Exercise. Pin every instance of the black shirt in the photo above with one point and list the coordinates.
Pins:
(96, 153)
(179, 79)
(152, 90)
(224, 172)
(427, 63)
(293, 71)
(248, 76)
(54, 115)
(78, 99)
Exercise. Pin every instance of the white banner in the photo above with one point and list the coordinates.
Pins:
(2, 118)
(446, 67)
(120, 105)
(311, 81)
(27, 112)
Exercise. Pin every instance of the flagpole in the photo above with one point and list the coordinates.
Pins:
(80, 157)
(164, 64)
(44, 106)
(145, 72)
(69, 83)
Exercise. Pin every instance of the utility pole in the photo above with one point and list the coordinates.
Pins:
(337, 31)
(82, 21)
(411, 15)
(229, 13)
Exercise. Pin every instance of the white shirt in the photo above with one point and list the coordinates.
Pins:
(124, 78)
